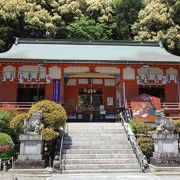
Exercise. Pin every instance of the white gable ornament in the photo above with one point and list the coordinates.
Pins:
(21, 78)
(4, 77)
(47, 79)
(168, 78)
(139, 79)
(29, 78)
(12, 76)
(146, 79)
(38, 77)
(175, 79)
(156, 79)
(164, 80)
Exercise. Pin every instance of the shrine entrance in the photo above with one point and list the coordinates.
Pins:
(89, 102)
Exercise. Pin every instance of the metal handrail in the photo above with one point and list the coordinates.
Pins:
(137, 150)
(61, 146)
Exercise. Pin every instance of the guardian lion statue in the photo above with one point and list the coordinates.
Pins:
(163, 122)
(33, 125)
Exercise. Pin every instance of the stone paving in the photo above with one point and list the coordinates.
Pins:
(113, 177)
(102, 176)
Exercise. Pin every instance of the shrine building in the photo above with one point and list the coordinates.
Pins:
(87, 76)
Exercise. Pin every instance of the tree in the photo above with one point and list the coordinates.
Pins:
(88, 29)
(24, 19)
(126, 13)
(100, 11)
(159, 20)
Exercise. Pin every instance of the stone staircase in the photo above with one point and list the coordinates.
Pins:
(97, 148)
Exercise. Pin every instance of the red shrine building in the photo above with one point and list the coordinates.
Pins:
(87, 76)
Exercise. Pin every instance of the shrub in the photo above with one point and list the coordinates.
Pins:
(48, 134)
(6, 145)
(54, 115)
(177, 125)
(6, 116)
(138, 126)
(4, 120)
(18, 120)
(146, 145)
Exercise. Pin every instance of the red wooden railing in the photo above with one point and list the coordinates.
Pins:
(19, 106)
(172, 110)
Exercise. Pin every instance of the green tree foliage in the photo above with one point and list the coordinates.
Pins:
(54, 18)
(6, 115)
(159, 20)
(23, 19)
(100, 10)
(126, 13)
(6, 145)
(88, 29)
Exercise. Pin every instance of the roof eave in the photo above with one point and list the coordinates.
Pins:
(63, 61)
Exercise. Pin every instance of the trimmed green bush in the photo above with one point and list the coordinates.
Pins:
(6, 145)
(177, 125)
(48, 134)
(18, 120)
(146, 145)
(54, 115)
(138, 126)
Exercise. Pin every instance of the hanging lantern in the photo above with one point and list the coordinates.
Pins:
(168, 78)
(156, 80)
(175, 79)
(38, 77)
(139, 79)
(12, 76)
(4, 77)
(29, 77)
(146, 78)
(21, 78)
(47, 79)
(164, 80)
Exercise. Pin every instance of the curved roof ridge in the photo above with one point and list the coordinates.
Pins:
(86, 42)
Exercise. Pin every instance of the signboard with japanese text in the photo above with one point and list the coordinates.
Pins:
(57, 94)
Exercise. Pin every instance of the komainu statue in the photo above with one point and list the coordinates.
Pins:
(33, 125)
(163, 122)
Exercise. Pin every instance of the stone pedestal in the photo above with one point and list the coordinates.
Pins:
(30, 152)
(166, 150)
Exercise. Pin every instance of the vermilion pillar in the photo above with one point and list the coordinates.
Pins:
(1, 73)
(62, 85)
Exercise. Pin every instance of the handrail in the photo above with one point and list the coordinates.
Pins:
(61, 146)
(137, 150)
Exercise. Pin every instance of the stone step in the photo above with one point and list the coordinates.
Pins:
(91, 143)
(99, 156)
(83, 171)
(124, 146)
(94, 134)
(100, 166)
(101, 161)
(93, 125)
(97, 151)
(95, 130)
(89, 138)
